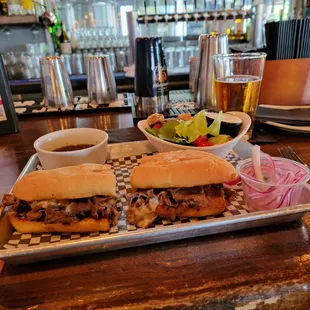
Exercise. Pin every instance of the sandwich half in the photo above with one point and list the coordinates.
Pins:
(70, 199)
(178, 184)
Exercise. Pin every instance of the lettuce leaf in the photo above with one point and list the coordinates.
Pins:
(180, 140)
(193, 128)
(167, 131)
(152, 131)
(214, 128)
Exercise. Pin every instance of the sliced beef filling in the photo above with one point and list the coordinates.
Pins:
(64, 211)
(146, 205)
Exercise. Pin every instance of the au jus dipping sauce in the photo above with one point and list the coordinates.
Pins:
(73, 147)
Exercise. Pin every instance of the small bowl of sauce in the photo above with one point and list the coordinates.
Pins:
(72, 147)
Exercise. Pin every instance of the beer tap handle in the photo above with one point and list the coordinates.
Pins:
(166, 13)
(283, 9)
(242, 9)
(176, 16)
(185, 8)
(224, 14)
(299, 9)
(215, 16)
(145, 16)
(234, 12)
(196, 15)
(205, 14)
(304, 7)
(273, 6)
(145, 8)
(156, 15)
(234, 8)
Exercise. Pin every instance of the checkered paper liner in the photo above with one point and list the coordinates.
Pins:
(122, 168)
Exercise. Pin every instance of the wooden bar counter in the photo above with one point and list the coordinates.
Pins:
(261, 268)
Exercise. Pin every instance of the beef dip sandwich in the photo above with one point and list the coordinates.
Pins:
(178, 184)
(70, 199)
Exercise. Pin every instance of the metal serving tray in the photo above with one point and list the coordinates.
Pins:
(25, 248)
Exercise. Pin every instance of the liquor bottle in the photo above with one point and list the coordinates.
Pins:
(65, 46)
(8, 118)
(63, 37)
(56, 31)
(3, 7)
(151, 78)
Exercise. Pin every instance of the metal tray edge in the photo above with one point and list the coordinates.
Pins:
(164, 234)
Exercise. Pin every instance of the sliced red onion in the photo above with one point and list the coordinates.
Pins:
(271, 184)
(271, 168)
(256, 163)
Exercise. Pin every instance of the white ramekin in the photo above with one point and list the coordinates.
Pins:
(95, 154)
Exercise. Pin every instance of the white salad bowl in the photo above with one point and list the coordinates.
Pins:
(221, 150)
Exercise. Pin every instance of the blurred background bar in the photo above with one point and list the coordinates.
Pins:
(96, 27)
(77, 29)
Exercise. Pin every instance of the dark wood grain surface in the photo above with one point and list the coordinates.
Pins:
(263, 268)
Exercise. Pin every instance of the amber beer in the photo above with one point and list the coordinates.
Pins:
(238, 93)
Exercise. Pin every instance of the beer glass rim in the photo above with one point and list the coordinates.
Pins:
(241, 56)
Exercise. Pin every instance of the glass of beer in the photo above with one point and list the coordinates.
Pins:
(238, 79)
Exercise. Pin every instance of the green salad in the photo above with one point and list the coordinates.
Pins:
(194, 131)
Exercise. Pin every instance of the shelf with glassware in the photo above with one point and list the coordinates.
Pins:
(17, 12)
(20, 11)
(73, 78)
(25, 66)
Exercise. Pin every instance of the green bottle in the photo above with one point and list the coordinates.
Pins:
(56, 31)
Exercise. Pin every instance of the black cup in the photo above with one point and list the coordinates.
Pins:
(151, 78)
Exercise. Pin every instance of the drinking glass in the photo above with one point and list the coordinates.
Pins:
(238, 80)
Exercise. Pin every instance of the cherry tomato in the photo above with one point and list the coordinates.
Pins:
(158, 125)
(201, 142)
(207, 143)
